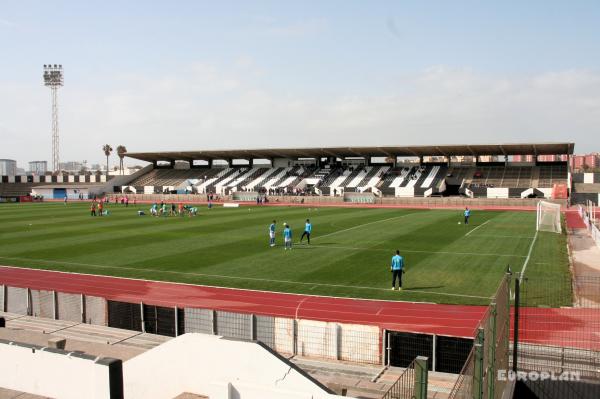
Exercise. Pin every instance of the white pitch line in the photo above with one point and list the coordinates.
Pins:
(481, 225)
(365, 224)
(413, 251)
(528, 256)
(503, 236)
(236, 277)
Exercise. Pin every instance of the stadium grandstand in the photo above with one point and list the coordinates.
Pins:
(412, 171)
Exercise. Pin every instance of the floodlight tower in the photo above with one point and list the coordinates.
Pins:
(53, 78)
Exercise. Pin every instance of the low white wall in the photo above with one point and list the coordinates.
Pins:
(56, 375)
(497, 192)
(405, 191)
(45, 192)
(547, 192)
(217, 367)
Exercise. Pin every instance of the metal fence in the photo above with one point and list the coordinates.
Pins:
(558, 328)
(490, 351)
(412, 383)
(463, 388)
(404, 387)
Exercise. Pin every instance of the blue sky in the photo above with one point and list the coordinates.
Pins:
(195, 74)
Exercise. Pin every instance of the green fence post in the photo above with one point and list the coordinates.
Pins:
(491, 366)
(478, 365)
(421, 375)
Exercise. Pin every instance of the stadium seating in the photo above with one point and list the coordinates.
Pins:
(15, 189)
(412, 180)
(171, 177)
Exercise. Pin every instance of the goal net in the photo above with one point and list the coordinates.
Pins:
(548, 217)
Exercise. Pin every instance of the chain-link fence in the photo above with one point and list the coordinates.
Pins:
(404, 387)
(412, 383)
(558, 326)
(463, 388)
(489, 354)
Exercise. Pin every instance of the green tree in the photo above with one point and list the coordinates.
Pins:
(107, 150)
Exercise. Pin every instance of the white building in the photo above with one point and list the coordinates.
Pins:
(8, 167)
(38, 167)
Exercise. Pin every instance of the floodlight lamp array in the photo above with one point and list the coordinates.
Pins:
(53, 75)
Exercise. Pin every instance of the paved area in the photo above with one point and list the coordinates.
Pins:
(585, 256)
(358, 380)
(103, 341)
(10, 394)
(95, 340)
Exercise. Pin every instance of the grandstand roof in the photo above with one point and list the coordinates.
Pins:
(344, 152)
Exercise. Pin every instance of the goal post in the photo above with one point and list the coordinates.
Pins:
(548, 217)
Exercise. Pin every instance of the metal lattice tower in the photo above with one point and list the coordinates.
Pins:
(53, 78)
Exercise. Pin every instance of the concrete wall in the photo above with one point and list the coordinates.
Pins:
(52, 373)
(497, 192)
(405, 191)
(216, 367)
(432, 202)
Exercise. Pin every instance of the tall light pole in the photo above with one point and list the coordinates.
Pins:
(53, 78)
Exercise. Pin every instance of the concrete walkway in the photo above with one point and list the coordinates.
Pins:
(585, 256)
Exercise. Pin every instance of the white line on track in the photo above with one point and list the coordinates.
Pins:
(481, 225)
(236, 277)
(528, 256)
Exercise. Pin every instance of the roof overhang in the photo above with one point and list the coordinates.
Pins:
(345, 152)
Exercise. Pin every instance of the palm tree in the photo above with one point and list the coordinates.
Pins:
(107, 150)
(121, 151)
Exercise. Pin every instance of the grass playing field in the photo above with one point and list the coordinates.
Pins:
(349, 255)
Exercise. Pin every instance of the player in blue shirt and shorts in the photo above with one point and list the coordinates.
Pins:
(272, 234)
(307, 230)
(287, 237)
(397, 270)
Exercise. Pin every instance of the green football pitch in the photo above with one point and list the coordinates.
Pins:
(349, 254)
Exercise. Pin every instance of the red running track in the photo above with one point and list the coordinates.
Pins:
(574, 327)
(450, 320)
(574, 220)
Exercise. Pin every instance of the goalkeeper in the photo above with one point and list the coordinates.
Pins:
(397, 270)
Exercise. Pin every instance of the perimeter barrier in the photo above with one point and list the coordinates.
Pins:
(589, 216)
(412, 383)
(489, 352)
(362, 344)
(556, 332)
(558, 341)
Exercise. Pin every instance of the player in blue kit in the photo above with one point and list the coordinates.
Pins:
(467, 215)
(272, 234)
(287, 237)
(397, 270)
(307, 230)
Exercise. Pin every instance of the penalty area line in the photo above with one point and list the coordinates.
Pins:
(366, 224)
(92, 266)
(481, 225)
(526, 262)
